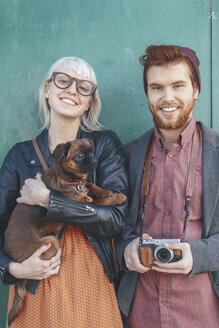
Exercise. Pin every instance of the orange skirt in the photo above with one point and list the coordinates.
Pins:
(79, 296)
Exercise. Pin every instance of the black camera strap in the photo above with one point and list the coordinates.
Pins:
(146, 178)
(189, 186)
(191, 177)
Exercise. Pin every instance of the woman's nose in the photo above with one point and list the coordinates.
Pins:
(72, 88)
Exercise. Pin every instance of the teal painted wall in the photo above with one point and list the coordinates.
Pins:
(215, 65)
(111, 36)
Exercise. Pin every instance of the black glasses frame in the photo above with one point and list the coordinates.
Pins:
(72, 79)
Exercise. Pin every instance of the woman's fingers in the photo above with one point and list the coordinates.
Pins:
(41, 250)
(38, 176)
(36, 268)
(34, 192)
(56, 260)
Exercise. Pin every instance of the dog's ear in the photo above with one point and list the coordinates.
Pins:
(61, 151)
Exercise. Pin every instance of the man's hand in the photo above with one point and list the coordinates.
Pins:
(184, 266)
(34, 192)
(131, 256)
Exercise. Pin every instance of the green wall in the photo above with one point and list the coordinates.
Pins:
(111, 36)
(215, 64)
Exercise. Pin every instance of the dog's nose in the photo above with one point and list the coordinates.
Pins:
(91, 155)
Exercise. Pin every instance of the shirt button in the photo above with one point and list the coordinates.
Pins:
(2, 272)
(163, 302)
(169, 184)
(171, 156)
(32, 161)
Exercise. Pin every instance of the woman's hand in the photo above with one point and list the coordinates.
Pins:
(35, 192)
(34, 267)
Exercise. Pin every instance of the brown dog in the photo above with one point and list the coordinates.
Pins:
(26, 232)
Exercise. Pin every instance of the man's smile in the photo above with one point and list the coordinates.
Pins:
(168, 109)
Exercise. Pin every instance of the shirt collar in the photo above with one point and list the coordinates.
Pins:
(183, 138)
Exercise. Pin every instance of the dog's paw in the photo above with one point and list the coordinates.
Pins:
(120, 198)
(107, 193)
(113, 199)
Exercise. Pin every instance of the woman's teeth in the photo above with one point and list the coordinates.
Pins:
(68, 101)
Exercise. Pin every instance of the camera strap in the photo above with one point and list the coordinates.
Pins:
(189, 186)
(191, 177)
(146, 178)
(40, 155)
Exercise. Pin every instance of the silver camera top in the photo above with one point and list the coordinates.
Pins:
(160, 241)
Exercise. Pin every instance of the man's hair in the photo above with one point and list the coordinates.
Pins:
(89, 120)
(164, 55)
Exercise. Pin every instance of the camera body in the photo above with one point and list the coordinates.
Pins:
(154, 250)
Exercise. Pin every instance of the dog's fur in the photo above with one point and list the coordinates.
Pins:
(26, 232)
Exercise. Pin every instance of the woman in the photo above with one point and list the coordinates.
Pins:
(76, 286)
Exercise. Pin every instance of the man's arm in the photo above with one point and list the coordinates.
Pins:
(205, 254)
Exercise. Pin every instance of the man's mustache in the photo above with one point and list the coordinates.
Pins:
(169, 104)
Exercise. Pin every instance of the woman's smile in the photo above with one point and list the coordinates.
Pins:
(68, 101)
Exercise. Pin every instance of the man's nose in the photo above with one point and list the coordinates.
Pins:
(168, 94)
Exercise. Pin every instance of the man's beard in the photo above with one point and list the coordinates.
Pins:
(179, 123)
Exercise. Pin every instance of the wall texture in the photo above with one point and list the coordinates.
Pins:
(215, 64)
(111, 36)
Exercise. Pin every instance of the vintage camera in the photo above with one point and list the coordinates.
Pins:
(154, 250)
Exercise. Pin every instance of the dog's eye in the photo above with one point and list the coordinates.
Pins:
(79, 156)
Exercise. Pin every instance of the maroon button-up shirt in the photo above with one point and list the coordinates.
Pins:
(173, 300)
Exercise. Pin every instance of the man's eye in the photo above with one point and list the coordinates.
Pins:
(177, 86)
(156, 88)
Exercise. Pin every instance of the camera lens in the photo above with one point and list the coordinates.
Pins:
(163, 254)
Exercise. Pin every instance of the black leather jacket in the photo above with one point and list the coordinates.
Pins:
(99, 223)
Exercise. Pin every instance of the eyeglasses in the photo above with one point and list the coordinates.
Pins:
(64, 81)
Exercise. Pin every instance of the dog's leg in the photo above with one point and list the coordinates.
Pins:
(97, 191)
(115, 199)
(105, 197)
(54, 242)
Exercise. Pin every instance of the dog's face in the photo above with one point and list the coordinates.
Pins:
(76, 157)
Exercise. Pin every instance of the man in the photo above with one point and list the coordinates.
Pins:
(181, 293)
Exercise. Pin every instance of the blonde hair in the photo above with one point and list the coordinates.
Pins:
(89, 120)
